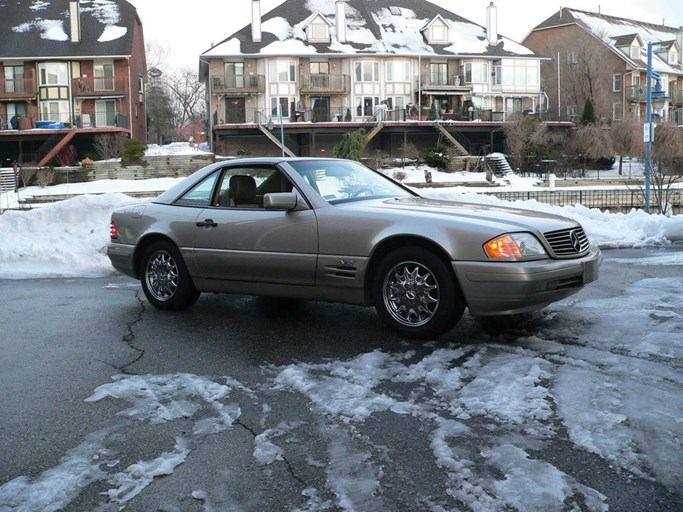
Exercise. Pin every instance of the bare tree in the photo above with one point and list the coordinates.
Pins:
(667, 169)
(156, 54)
(627, 140)
(518, 132)
(584, 73)
(109, 146)
(591, 142)
(188, 99)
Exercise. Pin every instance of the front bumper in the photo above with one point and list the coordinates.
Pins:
(122, 258)
(497, 288)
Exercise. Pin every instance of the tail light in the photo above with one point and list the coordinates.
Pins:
(113, 231)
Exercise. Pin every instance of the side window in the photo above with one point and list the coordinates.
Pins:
(244, 187)
(200, 194)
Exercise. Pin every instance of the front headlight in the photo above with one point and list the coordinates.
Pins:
(514, 246)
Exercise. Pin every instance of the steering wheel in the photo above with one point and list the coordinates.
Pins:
(363, 191)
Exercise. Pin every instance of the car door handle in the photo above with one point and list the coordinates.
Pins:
(207, 223)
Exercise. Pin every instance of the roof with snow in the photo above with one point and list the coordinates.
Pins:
(384, 27)
(619, 32)
(40, 28)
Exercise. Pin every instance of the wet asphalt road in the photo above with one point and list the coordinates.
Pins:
(62, 338)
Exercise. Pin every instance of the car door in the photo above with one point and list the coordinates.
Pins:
(243, 241)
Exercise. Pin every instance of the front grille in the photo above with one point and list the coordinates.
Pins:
(568, 242)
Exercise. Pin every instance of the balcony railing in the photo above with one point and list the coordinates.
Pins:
(339, 84)
(677, 97)
(66, 120)
(17, 88)
(99, 86)
(238, 84)
(442, 80)
(635, 93)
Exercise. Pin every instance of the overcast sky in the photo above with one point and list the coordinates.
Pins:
(189, 31)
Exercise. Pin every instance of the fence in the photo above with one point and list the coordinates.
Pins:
(613, 200)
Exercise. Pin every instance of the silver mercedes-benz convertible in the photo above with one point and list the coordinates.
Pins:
(335, 230)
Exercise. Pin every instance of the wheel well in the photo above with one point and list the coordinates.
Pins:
(142, 246)
(398, 242)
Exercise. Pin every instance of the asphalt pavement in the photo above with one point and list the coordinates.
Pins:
(254, 444)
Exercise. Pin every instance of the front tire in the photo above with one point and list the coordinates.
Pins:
(165, 279)
(415, 294)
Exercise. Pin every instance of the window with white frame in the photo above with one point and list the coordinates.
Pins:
(282, 71)
(14, 79)
(438, 73)
(517, 73)
(572, 57)
(634, 51)
(105, 113)
(365, 105)
(318, 31)
(397, 102)
(617, 82)
(497, 72)
(320, 68)
(284, 105)
(53, 73)
(55, 111)
(617, 111)
(104, 76)
(476, 72)
(398, 71)
(572, 113)
(673, 57)
(367, 71)
(438, 33)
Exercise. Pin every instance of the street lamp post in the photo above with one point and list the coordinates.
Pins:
(282, 128)
(649, 131)
(658, 96)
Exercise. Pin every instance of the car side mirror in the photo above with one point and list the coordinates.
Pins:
(281, 201)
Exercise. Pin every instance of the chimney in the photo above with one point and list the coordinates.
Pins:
(492, 24)
(75, 21)
(256, 21)
(341, 20)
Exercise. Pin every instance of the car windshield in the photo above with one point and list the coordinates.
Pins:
(342, 180)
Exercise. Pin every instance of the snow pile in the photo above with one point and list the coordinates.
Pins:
(66, 238)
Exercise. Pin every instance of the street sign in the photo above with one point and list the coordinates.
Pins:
(649, 132)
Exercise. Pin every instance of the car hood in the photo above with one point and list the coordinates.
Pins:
(503, 218)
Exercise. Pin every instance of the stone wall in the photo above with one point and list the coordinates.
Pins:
(149, 167)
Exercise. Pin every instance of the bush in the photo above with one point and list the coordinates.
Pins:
(108, 146)
(67, 156)
(45, 177)
(605, 164)
(352, 145)
(134, 150)
(439, 157)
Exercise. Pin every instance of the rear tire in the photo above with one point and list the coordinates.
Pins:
(165, 279)
(415, 293)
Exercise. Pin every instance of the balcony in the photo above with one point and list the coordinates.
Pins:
(17, 89)
(635, 93)
(325, 84)
(96, 87)
(442, 82)
(238, 84)
(677, 97)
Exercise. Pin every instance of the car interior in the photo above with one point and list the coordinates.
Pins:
(246, 189)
